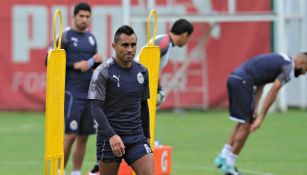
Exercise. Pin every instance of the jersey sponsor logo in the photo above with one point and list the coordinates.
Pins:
(73, 125)
(147, 148)
(140, 78)
(117, 78)
(91, 40)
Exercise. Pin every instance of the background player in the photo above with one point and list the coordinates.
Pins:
(179, 35)
(81, 51)
(245, 85)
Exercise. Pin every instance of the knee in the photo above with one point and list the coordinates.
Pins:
(69, 138)
(82, 138)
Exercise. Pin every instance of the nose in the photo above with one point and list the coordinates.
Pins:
(84, 19)
(130, 48)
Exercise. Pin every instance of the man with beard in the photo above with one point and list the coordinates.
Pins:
(81, 51)
(245, 85)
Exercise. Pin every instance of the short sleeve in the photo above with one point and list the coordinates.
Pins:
(284, 76)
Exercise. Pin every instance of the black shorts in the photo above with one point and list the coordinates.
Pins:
(78, 118)
(136, 147)
(241, 95)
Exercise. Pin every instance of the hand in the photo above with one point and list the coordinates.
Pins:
(97, 58)
(256, 124)
(117, 145)
(82, 65)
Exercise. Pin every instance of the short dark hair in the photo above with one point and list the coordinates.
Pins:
(123, 29)
(82, 6)
(181, 26)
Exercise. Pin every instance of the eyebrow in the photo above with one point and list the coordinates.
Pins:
(85, 15)
(134, 43)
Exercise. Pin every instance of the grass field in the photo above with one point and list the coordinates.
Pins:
(278, 148)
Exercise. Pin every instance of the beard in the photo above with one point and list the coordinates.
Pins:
(82, 26)
(297, 72)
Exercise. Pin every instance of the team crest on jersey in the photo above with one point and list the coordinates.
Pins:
(140, 78)
(91, 40)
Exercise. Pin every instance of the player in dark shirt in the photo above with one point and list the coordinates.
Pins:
(245, 85)
(179, 35)
(118, 96)
(81, 56)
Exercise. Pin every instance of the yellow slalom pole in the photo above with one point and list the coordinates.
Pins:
(55, 94)
(150, 58)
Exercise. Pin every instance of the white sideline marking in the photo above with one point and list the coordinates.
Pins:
(17, 128)
(215, 169)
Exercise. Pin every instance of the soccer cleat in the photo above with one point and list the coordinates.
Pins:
(230, 170)
(219, 161)
(95, 169)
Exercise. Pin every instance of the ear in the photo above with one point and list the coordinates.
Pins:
(113, 45)
(301, 60)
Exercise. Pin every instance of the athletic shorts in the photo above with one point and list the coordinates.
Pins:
(136, 147)
(78, 118)
(241, 95)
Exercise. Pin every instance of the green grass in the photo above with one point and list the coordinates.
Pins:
(278, 148)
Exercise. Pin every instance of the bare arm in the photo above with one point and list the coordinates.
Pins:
(269, 99)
